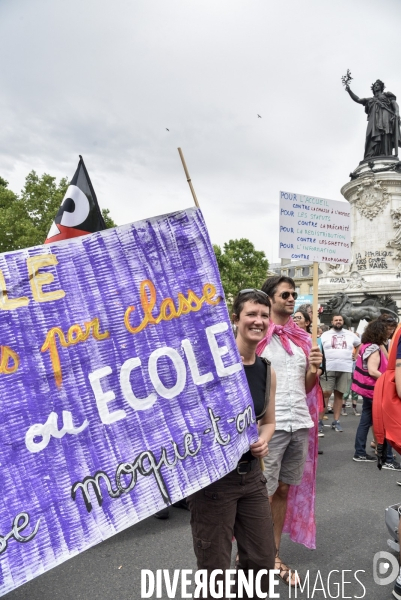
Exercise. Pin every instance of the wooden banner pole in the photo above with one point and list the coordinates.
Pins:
(188, 178)
(314, 307)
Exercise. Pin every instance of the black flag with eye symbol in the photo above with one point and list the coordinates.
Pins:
(79, 212)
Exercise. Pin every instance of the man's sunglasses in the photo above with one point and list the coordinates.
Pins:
(249, 290)
(286, 295)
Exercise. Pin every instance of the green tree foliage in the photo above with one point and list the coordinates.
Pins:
(25, 220)
(240, 266)
(8, 214)
(107, 218)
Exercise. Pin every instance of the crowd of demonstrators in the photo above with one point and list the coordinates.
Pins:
(371, 362)
(290, 465)
(339, 345)
(238, 504)
(276, 345)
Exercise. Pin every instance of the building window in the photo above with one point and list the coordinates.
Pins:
(311, 290)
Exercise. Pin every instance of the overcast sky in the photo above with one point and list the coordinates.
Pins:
(105, 79)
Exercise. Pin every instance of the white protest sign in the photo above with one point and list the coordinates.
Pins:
(314, 229)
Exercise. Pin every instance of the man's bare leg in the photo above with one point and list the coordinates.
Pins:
(279, 508)
(338, 403)
(278, 504)
(326, 399)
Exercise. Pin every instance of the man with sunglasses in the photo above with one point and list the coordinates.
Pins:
(288, 347)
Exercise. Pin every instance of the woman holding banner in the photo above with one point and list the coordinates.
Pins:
(238, 505)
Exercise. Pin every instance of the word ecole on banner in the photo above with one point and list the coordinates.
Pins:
(169, 309)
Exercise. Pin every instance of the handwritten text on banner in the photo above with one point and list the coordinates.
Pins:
(314, 229)
(121, 388)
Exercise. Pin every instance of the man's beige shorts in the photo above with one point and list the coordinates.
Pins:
(336, 380)
(286, 459)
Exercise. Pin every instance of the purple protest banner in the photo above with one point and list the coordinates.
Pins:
(121, 387)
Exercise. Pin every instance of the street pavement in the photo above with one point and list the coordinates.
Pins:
(350, 504)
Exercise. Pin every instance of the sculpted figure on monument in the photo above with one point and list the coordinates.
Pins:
(383, 131)
(386, 301)
(341, 303)
(371, 197)
(355, 281)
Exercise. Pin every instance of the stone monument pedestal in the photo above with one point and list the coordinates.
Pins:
(374, 194)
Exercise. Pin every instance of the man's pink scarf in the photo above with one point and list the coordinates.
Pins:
(300, 515)
(289, 331)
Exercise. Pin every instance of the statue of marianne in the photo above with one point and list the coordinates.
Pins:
(383, 131)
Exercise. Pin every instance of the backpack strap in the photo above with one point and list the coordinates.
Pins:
(268, 385)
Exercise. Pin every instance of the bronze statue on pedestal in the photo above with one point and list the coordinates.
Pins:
(383, 131)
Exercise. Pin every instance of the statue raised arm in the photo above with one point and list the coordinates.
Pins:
(383, 131)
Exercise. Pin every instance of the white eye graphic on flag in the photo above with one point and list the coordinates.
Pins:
(81, 207)
(73, 211)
